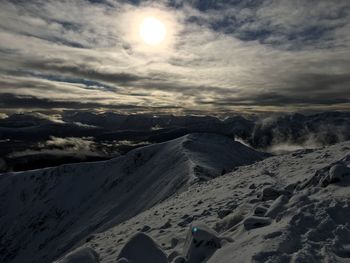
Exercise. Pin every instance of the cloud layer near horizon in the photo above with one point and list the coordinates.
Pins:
(255, 55)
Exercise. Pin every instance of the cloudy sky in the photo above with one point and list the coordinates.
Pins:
(216, 56)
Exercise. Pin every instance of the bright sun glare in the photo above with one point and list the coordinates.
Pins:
(152, 31)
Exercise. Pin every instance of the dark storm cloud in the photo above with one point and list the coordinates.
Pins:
(284, 23)
(16, 101)
(273, 99)
(61, 67)
(322, 84)
(304, 89)
(11, 101)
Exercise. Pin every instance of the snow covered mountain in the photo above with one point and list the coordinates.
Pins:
(288, 208)
(46, 212)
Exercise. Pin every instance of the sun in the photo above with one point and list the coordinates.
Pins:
(152, 31)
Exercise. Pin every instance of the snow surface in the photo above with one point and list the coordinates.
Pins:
(277, 210)
(45, 213)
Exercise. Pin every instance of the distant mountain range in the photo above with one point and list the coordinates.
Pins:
(35, 140)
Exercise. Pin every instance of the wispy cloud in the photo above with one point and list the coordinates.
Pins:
(80, 147)
(219, 55)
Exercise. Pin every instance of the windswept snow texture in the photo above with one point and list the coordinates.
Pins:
(276, 210)
(46, 212)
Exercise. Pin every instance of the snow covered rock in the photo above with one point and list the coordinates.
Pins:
(166, 225)
(276, 206)
(256, 222)
(223, 212)
(201, 242)
(299, 199)
(82, 255)
(140, 249)
(338, 172)
(229, 221)
(270, 193)
(260, 210)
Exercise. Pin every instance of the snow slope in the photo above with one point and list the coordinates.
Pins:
(288, 208)
(44, 213)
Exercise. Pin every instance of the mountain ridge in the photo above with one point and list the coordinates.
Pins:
(60, 206)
